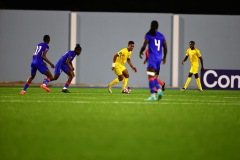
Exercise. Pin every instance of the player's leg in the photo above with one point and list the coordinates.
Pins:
(46, 81)
(151, 83)
(118, 72)
(125, 89)
(188, 80)
(198, 81)
(71, 75)
(162, 84)
(157, 84)
(57, 72)
(27, 84)
(160, 81)
(29, 81)
(42, 68)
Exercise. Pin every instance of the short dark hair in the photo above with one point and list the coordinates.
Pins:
(130, 42)
(46, 38)
(192, 42)
(78, 47)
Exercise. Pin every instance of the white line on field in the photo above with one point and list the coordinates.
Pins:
(119, 102)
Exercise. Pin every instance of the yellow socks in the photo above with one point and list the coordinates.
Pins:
(187, 82)
(115, 81)
(199, 83)
(125, 81)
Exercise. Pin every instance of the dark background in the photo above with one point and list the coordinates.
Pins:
(228, 7)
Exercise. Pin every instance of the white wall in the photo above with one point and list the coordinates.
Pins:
(102, 34)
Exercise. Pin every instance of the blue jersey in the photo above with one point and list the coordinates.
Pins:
(37, 55)
(68, 55)
(61, 64)
(155, 45)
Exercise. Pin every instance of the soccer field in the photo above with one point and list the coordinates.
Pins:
(92, 124)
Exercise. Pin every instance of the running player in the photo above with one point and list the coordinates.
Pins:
(157, 73)
(156, 43)
(65, 64)
(119, 68)
(38, 64)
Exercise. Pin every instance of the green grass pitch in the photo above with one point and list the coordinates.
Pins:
(92, 124)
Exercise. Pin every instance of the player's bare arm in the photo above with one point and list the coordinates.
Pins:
(143, 48)
(46, 59)
(131, 65)
(114, 60)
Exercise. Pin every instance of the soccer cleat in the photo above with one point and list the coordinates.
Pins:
(163, 87)
(45, 88)
(160, 94)
(65, 90)
(23, 92)
(182, 89)
(151, 99)
(126, 90)
(199, 90)
(109, 89)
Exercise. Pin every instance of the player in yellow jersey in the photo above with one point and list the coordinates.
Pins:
(194, 54)
(118, 66)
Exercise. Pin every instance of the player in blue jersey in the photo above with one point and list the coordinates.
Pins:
(157, 73)
(65, 64)
(157, 44)
(39, 64)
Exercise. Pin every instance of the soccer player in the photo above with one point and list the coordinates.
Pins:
(38, 64)
(65, 64)
(157, 74)
(156, 44)
(118, 66)
(194, 55)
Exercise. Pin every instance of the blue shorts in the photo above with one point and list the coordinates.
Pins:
(155, 65)
(61, 67)
(156, 71)
(41, 67)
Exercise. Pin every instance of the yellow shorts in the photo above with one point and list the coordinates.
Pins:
(119, 69)
(193, 70)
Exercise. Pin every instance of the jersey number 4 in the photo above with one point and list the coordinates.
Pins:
(157, 43)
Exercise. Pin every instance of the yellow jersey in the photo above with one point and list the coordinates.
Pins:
(123, 55)
(194, 56)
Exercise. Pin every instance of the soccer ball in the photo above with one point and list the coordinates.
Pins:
(127, 90)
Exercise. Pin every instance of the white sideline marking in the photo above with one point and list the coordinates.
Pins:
(120, 102)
